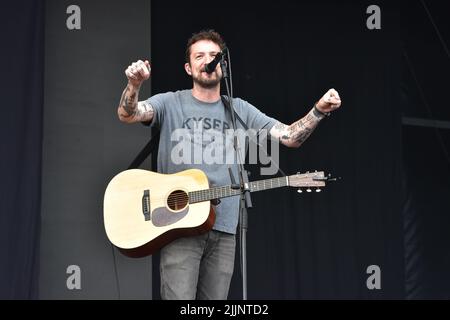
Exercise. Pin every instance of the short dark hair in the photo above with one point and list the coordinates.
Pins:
(210, 35)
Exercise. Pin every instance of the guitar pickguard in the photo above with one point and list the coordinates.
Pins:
(163, 217)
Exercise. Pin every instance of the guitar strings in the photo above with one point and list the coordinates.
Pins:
(182, 198)
(214, 193)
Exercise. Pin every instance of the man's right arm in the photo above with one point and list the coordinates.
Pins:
(131, 110)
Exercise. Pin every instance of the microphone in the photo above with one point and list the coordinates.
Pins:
(210, 67)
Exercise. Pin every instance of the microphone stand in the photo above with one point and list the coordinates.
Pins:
(245, 198)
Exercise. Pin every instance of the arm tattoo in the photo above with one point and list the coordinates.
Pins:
(280, 126)
(128, 102)
(144, 111)
(132, 110)
(299, 131)
(280, 130)
(301, 136)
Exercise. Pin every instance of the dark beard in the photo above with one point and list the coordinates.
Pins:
(206, 83)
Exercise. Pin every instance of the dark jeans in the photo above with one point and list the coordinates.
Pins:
(198, 267)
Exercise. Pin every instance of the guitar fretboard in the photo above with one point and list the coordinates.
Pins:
(227, 191)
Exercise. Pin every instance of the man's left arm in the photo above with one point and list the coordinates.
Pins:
(294, 135)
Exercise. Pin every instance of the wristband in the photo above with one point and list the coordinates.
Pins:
(319, 113)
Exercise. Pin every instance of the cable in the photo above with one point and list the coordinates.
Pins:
(115, 271)
(436, 28)
(242, 238)
(231, 74)
(250, 138)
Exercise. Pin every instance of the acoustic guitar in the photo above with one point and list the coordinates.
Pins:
(144, 210)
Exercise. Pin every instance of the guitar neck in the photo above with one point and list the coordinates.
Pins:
(227, 191)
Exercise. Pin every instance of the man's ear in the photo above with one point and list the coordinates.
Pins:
(187, 67)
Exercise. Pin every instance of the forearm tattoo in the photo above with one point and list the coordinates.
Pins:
(131, 108)
(299, 131)
(128, 103)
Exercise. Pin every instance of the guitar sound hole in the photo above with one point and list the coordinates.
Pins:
(177, 200)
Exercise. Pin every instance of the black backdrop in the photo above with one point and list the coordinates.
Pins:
(426, 159)
(285, 55)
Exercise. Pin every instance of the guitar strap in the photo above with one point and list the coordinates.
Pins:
(154, 140)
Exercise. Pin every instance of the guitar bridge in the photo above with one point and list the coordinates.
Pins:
(146, 205)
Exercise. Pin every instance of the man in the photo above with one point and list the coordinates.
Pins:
(201, 267)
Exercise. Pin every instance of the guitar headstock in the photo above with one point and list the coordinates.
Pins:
(307, 180)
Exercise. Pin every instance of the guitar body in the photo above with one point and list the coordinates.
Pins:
(145, 210)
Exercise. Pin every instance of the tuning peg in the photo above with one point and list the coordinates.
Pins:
(308, 190)
(318, 190)
(299, 190)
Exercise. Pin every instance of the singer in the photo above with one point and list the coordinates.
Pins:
(201, 266)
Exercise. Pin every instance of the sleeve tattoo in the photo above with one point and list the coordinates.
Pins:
(133, 110)
(295, 134)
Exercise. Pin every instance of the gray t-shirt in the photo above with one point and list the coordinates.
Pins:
(193, 131)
